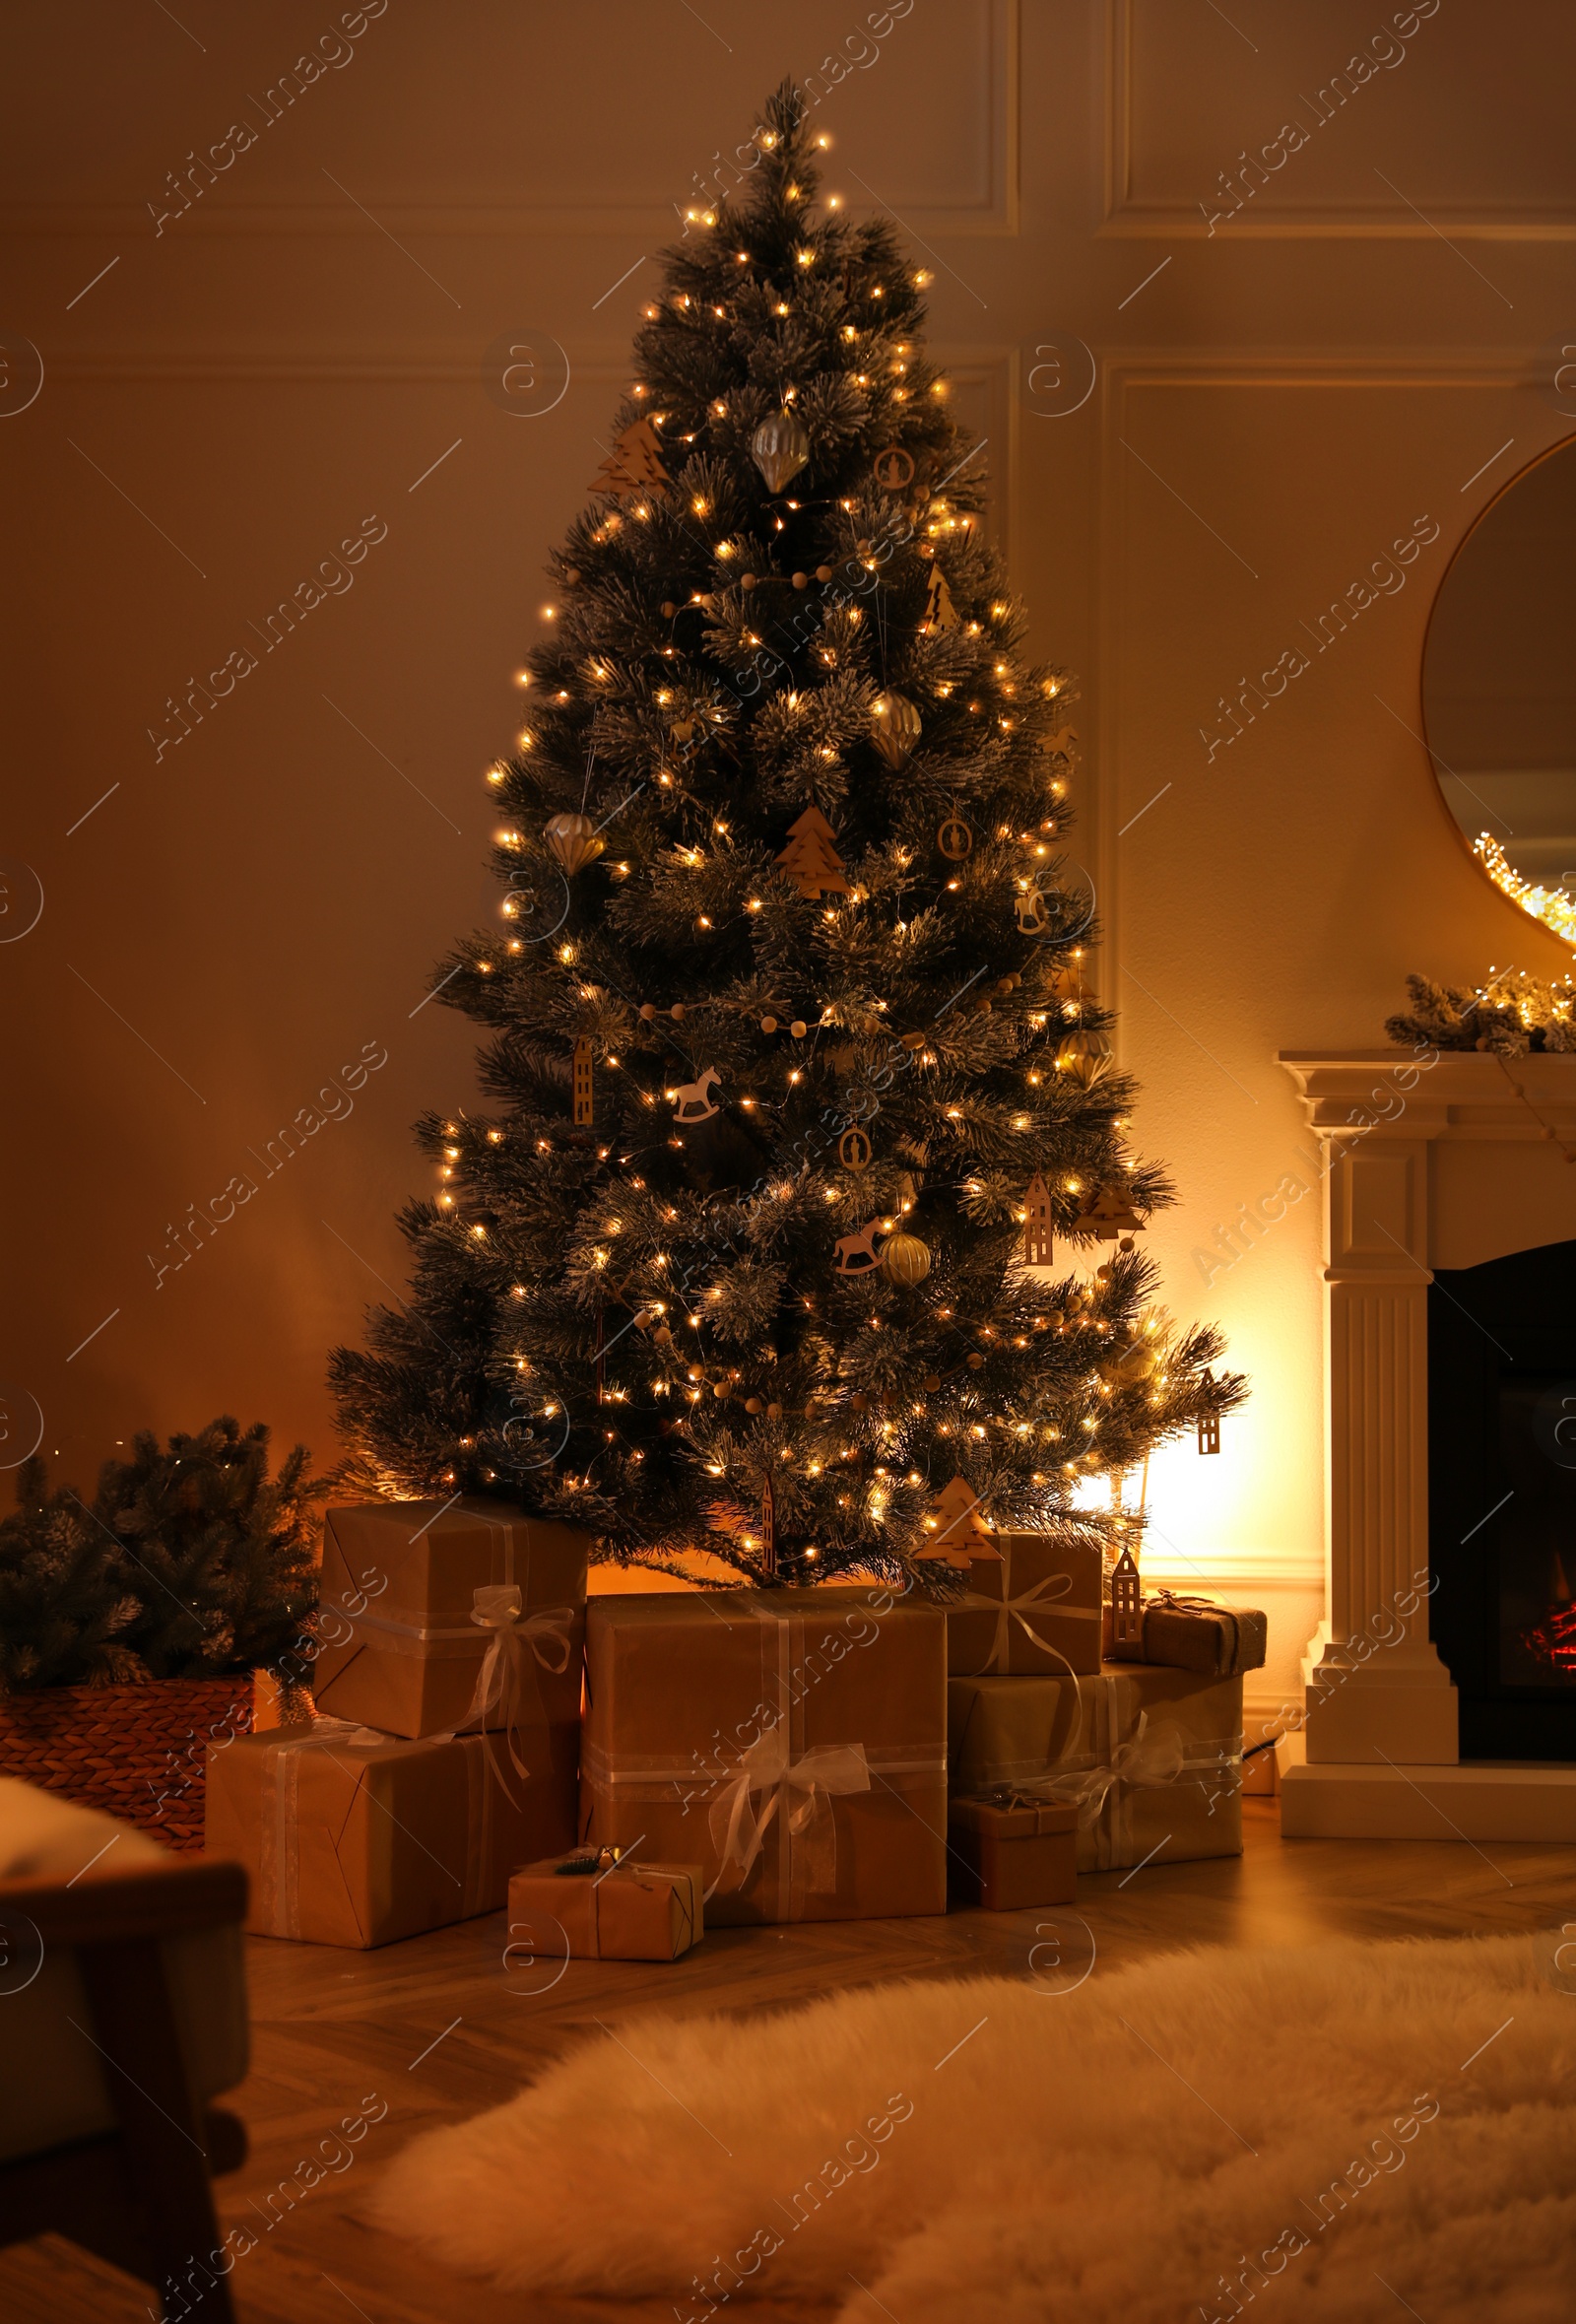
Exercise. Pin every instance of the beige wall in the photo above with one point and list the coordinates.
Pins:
(1283, 398)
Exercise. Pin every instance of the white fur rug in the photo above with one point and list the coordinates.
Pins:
(1310, 2129)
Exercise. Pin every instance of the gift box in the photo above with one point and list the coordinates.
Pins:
(1009, 1850)
(356, 1838)
(438, 1618)
(627, 1912)
(1036, 1613)
(1196, 1635)
(793, 1740)
(1151, 1759)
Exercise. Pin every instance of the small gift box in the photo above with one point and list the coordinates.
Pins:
(793, 1740)
(573, 1908)
(356, 1838)
(1008, 1850)
(436, 1618)
(1035, 1610)
(1196, 1635)
(1150, 1759)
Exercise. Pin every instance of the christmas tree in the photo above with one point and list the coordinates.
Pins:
(780, 852)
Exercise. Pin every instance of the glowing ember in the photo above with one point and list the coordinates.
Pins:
(1553, 1640)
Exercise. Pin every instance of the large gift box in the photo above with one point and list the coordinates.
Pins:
(793, 1740)
(1150, 1759)
(1035, 1610)
(570, 1907)
(1010, 1850)
(437, 1618)
(356, 1838)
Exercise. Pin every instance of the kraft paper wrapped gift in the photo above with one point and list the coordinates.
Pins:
(794, 1741)
(421, 1636)
(1197, 1634)
(356, 1838)
(1151, 1759)
(630, 1912)
(1034, 1613)
(1008, 1850)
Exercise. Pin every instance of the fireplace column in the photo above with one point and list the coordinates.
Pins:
(1376, 1688)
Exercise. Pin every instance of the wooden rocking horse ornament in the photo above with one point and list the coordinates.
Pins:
(856, 1254)
(692, 1100)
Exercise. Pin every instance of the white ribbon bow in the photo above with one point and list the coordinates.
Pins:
(506, 1681)
(1146, 1764)
(1043, 1594)
(738, 1834)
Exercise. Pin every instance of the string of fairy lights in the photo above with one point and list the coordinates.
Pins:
(1060, 1047)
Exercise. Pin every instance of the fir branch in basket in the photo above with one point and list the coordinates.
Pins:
(190, 1562)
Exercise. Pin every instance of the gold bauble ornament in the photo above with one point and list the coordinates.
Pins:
(895, 727)
(781, 448)
(905, 1259)
(575, 841)
(1087, 1056)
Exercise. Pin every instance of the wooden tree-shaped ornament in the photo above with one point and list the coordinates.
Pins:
(811, 859)
(956, 1529)
(939, 611)
(1110, 1215)
(584, 1086)
(1037, 1223)
(635, 464)
(1126, 1608)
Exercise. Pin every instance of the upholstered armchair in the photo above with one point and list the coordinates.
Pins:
(123, 2013)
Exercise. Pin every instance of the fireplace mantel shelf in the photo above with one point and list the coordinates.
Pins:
(1443, 1160)
(1388, 1094)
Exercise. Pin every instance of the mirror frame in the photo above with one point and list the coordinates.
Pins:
(1550, 907)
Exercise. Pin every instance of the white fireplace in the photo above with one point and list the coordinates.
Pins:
(1428, 1164)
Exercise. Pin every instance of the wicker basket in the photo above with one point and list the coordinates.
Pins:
(139, 1753)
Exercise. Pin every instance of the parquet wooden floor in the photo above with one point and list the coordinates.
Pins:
(442, 2026)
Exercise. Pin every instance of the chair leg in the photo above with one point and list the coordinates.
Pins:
(162, 2152)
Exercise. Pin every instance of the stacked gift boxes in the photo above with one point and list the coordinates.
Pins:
(1140, 1761)
(447, 1752)
(743, 1756)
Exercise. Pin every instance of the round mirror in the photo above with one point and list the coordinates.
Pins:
(1499, 688)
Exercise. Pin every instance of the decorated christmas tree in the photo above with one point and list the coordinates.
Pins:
(791, 1042)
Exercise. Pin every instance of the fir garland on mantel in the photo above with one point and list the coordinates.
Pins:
(1513, 1014)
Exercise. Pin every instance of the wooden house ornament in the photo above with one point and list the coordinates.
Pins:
(1126, 1608)
(1038, 1244)
(957, 1528)
(584, 1085)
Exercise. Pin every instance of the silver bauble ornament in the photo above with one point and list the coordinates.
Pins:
(781, 448)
